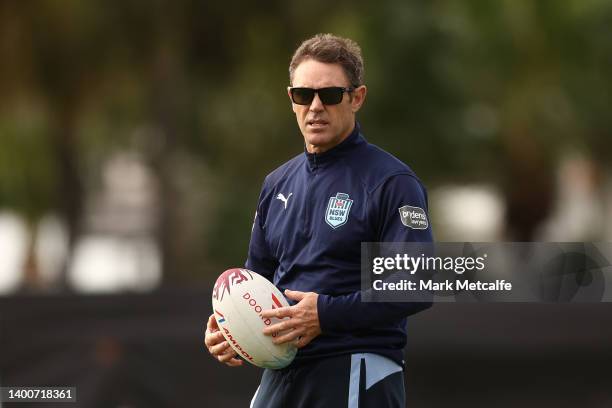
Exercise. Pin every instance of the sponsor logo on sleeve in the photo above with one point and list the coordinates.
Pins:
(413, 217)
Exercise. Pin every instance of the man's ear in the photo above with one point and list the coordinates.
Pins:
(359, 95)
(291, 100)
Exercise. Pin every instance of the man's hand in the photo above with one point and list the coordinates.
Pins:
(303, 323)
(218, 346)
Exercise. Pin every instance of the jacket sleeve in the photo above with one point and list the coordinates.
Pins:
(259, 258)
(348, 312)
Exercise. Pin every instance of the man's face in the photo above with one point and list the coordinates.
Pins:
(325, 126)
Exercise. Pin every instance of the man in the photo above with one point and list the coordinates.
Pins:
(313, 213)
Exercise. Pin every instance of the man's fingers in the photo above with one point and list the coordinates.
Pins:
(234, 362)
(279, 313)
(212, 339)
(279, 327)
(231, 358)
(225, 357)
(212, 325)
(219, 348)
(303, 341)
(295, 294)
(287, 337)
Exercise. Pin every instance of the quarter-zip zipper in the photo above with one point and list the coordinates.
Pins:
(310, 197)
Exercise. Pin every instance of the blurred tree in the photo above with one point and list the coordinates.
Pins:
(65, 51)
(491, 92)
(462, 91)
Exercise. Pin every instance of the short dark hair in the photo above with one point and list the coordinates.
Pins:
(332, 49)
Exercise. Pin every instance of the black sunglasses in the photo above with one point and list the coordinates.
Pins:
(329, 96)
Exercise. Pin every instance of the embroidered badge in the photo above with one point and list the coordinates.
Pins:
(338, 209)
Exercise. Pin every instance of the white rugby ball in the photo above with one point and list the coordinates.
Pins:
(239, 296)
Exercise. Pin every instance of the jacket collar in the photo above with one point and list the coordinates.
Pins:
(350, 143)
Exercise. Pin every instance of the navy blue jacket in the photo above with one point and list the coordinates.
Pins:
(313, 213)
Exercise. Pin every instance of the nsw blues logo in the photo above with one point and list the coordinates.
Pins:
(338, 209)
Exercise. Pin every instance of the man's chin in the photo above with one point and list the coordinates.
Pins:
(324, 135)
(318, 141)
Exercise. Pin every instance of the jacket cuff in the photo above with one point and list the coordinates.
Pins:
(336, 314)
(326, 319)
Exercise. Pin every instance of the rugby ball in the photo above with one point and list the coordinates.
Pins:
(239, 296)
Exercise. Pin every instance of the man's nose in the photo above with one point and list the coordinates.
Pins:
(316, 105)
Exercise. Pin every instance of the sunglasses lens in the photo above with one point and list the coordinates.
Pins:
(302, 96)
(331, 96)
